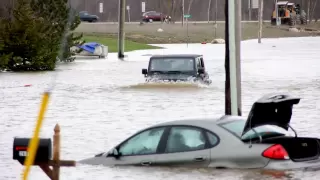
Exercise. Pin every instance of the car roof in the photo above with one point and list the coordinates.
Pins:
(200, 122)
(176, 56)
(282, 2)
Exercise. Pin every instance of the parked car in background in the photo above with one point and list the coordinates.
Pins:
(151, 16)
(85, 16)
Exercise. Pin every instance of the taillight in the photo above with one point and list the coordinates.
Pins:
(276, 152)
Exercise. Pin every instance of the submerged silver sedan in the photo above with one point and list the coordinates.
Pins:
(259, 141)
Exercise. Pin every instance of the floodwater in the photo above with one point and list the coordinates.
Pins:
(99, 103)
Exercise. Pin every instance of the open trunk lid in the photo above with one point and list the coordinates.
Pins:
(271, 109)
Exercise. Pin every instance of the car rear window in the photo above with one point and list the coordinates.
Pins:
(236, 128)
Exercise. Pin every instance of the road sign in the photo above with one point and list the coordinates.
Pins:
(100, 7)
(143, 6)
(187, 16)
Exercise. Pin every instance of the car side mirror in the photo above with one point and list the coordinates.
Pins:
(114, 153)
(144, 71)
(201, 71)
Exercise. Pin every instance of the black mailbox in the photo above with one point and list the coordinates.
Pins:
(43, 154)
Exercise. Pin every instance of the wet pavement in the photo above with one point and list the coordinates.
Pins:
(100, 102)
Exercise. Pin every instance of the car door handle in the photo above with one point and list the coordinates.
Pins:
(145, 163)
(198, 159)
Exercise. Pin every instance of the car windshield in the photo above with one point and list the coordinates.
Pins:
(172, 64)
(266, 131)
(149, 13)
(83, 13)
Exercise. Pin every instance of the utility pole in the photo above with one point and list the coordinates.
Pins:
(260, 20)
(277, 13)
(238, 35)
(121, 19)
(250, 10)
(232, 58)
(208, 11)
(308, 13)
(215, 21)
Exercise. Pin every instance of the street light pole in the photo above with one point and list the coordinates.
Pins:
(238, 35)
(260, 20)
(232, 61)
(121, 19)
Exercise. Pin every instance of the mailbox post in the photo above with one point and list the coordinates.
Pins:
(43, 154)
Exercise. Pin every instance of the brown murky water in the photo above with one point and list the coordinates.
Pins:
(98, 103)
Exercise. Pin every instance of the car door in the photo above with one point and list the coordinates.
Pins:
(185, 146)
(140, 149)
(153, 16)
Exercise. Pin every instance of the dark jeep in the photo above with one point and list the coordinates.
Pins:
(181, 67)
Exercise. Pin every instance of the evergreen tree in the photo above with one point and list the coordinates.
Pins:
(64, 21)
(25, 42)
(4, 58)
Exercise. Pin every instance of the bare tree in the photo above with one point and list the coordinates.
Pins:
(313, 5)
(189, 6)
(208, 11)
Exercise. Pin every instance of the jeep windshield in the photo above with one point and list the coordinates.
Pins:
(171, 65)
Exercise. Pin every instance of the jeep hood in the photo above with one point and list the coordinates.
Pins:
(271, 109)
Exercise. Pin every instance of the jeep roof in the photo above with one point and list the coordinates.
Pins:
(177, 56)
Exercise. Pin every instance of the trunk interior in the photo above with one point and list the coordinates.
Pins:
(298, 148)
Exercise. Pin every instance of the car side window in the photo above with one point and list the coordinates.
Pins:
(213, 139)
(183, 139)
(143, 143)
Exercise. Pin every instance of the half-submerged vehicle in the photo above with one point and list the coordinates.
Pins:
(259, 141)
(175, 68)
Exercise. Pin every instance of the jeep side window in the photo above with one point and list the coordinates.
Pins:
(201, 63)
(198, 63)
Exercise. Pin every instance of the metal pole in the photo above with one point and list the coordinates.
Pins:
(182, 12)
(308, 14)
(187, 32)
(233, 59)
(250, 8)
(215, 21)
(227, 62)
(260, 20)
(121, 17)
(238, 39)
(208, 11)
(129, 15)
(277, 13)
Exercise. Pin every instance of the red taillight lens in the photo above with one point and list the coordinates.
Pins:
(276, 152)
